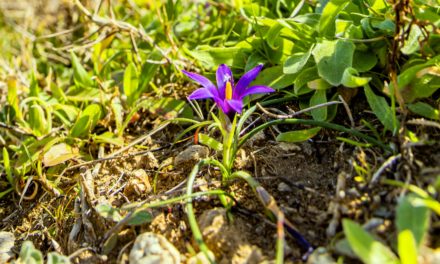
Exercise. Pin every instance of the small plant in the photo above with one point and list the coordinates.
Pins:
(412, 222)
(229, 99)
(30, 255)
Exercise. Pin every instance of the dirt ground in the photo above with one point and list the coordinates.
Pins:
(312, 182)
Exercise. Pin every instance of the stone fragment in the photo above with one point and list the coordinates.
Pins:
(151, 248)
(138, 183)
(283, 187)
(7, 241)
(186, 159)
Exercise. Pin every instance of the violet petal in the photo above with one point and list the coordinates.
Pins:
(255, 90)
(223, 75)
(205, 82)
(201, 93)
(236, 105)
(246, 79)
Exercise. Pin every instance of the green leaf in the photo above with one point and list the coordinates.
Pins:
(118, 113)
(332, 58)
(110, 243)
(34, 89)
(108, 138)
(30, 255)
(210, 142)
(425, 83)
(12, 97)
(319, 97)
(273, 35)
(364, 61)
(319, 84)
(424, 110)
(412, 217)
(37, 120)
(108, 212)
(58, 154)
(66, 113)
(84, 94)
(366, 248)
(140, 218)
(296, 62)
(212, 57)
(131, 82)
(419, 80)
(407, 247)
(327, 21)
(350, 78)
(304, 77)
(298, 135)
(148, 71)
(382, 110)
(80, 75)
(274, 77)
(87, 121)
(7, 166)
(412, 43)
(55, 258)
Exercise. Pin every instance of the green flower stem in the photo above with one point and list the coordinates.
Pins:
(323, 124)
(189, 206)
(280, 240)
(180, 198)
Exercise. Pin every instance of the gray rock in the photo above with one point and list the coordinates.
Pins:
(190, 156)
(151, 248)
(7, 240)
(282, 187)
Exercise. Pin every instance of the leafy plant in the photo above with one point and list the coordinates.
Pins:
(30, 255)
(412, 221)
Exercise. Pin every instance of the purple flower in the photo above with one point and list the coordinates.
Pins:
(227, 95)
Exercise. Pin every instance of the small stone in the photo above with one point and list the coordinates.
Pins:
(147, 161)
(288, 147)
(151, 248)
(138, 183)
(7, 241)
(283, 187)
(190, 156)
(320, 255)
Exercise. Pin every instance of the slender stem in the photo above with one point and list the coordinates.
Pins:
(323, 124)
(189, 206)
(280, 239)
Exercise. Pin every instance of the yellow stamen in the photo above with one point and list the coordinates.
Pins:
(228, 91)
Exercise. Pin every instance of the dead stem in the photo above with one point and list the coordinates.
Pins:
(264, 110)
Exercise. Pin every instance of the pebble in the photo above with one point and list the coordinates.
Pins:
(151, 248)
(7, 240)
(283, 187)
(138, 183)
(288, 147)
(190, 156)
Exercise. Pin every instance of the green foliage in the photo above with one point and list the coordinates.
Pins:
(382, 110)
(365, 246)
(412, 221)
(87, 120)
(30, 255)
(298, 135)
(412, 217)
(138, 217)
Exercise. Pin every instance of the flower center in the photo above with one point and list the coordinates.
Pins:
(228, 91)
